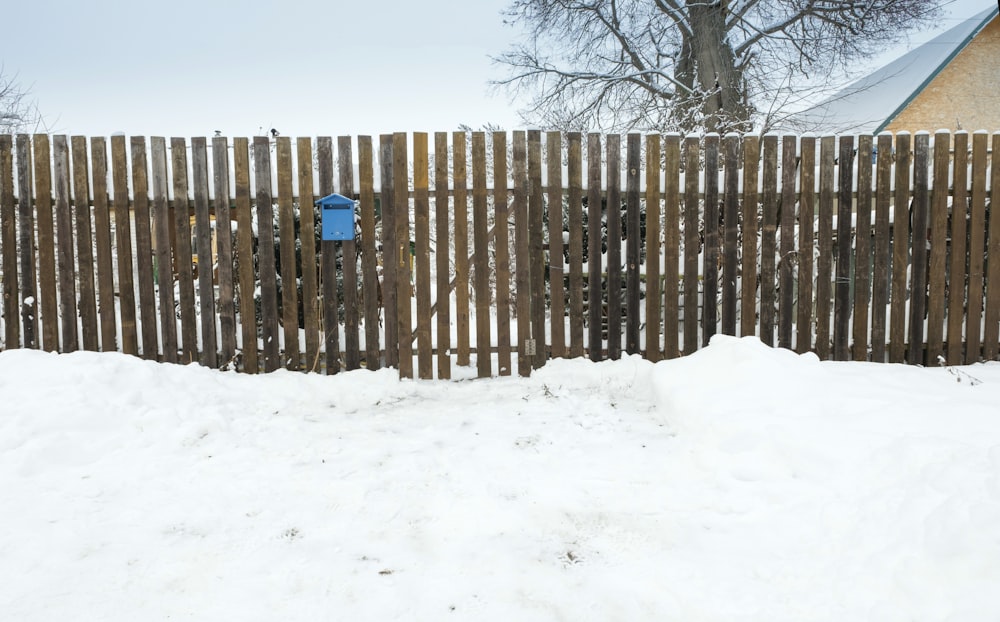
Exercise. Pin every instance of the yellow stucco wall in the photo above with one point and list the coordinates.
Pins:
(965, 95)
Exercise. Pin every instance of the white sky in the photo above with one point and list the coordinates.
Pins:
(305, 67)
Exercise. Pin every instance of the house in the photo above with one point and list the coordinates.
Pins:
(951, 82)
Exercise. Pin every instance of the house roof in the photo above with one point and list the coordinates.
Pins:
(872, 102)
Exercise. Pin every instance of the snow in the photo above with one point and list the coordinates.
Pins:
(739, 483)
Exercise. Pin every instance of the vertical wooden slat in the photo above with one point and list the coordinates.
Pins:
(369, 259)
(422, 231)
(442, 257)
(265, 254)
(244, 255)
(692, 243)
(671, 242)
(26, 244)
(633, 242)
(918, 273)
(161, 240)
(8, 242)
(653, 290)
(991, 333)
(900, 250)
(203, 247)
(768, 241)
(614, 150)
(863, 248)
(66, 270)
(102, 243)
(330, 307)
(183, 252)
(959, 233)
(84, 244)
(594, 286)
(937, 272)
(389, 260)
(310, 271)
(786, 262)
(289, 295)
(349, 254)
(404, 291)
(807, 215)
(536, 253)
(47, 248)
(123, 247)
(460, 177)
(557, 286)
(710, 267)
(842, 293)
(748, 294)
(480, 236)
(730, 253)
(501, 244)
(977, 249)
(224, 249)
(824, 243)
(881, 258)
(574, 218)
(144, 250)
(522, 275)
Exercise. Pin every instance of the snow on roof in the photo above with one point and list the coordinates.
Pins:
(867, 105)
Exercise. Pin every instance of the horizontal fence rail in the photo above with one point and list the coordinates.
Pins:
(505, 249)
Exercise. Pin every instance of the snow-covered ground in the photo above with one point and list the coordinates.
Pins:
(740, 483)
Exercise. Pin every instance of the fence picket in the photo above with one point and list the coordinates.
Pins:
(26, 242)
(824, 243)
(842, 290)
(536, 250)
(557, 282)
(977, 250)
(46, 250)
(710, 266)
(786, 244)
(574, 219)
(389, 260)
(614, 151)
(310, 268)
(84, 244)
(161, 240)
(422, 259)
(289, 295)
(349, 260)
(328, 265)
(671, 243)
(768, 239)
(731, 232)
(919, 209)
(991, 332)
(265, 256)
(404, 289)
(522, 276)
(480, 236)
(8, 244)
(460, 180)
(244, 255)
(65, 265)
(881, 258)
(594, 287)
(102, 245)
(501, 242)
(144, 252)
(900, 251)
(224, 250)
(203, 248)
(633, 242)
(959, 233)
(369, 261)
(863, 249)
(937, 268)
(652, 244)
(806, 244)
(442, 256)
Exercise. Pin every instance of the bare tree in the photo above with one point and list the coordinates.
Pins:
(723, 65)
(18, 112)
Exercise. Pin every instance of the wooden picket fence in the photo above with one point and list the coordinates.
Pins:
(853, 247)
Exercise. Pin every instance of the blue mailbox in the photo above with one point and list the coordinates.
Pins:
(337, 217)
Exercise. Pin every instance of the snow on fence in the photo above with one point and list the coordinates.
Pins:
(480, 247)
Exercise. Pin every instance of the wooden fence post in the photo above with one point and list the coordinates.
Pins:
(807, 244)
(480, 237)
(633, 244)
(286, 255)
(501, 244)
(594, 275)
(768, 241)
(65, 264)
(900, 250)
(788, 257)
(710, 266)
(244, 255)
(522, 275)
(203, 246)
(265, 254)
(672, 241)
(84, 244)
(731, 230)
(557, 278)
(918, 272)
(863, 248)
(751, 254)
(842, 292)
(991, 333)
(442, 256)
(369, 259)
(161, 238)
(881, 258)
(574, 219)
(959, 233)
(614, 150)
(224, 249)
(328, 265)
(824, 243)
(977, 249)
(8, 244)
(653, 214)
(349, 259)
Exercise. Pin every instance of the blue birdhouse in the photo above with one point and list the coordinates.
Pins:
(337, 217)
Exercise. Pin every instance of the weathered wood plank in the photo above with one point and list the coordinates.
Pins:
(102, 243)
(991, 332)
(614, 151)
(387, 205)
(594, 275)
(265, 255)
(288, 294)
(977, 249)
(692, 243)
(937, 273)
(807, 239)
(863, 248)
(404, 290)
(26, 244)
(501, 243)
(330, 308)
(900, 250)
(369, 258)
(84, 244)
(633, 242)
(919, 212)
(750, 206)
(881, 258)
(244, 256)
(442, 257)
(161, 240)
(786, 246)
(480, 236)
(842, 290)
(730, 241)
(557, 285)
(224, 251)
(460, 180)
(824, 244)
(522, 275)
(47, 248)
(8, 242)
(145, 272)
(349, 255)
(654, 297)
(123, 247)
(536, 251)
(710, 266)
(422, 232)
(309, 263)
(183, 252)
(65, 264)
(672, 241)
(574, 218)
(768, 238)
(203, 248)
(959, 234)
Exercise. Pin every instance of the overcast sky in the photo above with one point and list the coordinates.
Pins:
(305, 67)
